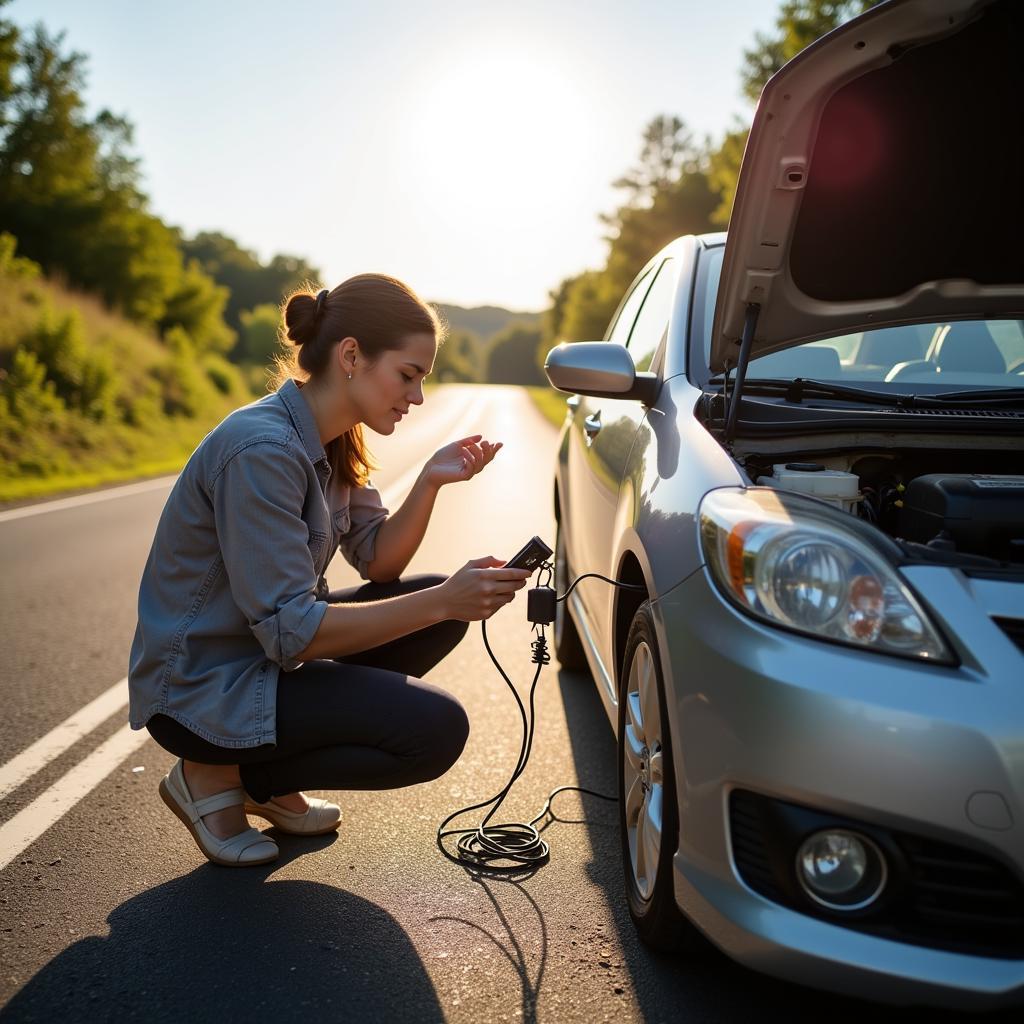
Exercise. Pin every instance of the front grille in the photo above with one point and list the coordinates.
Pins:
(940, 896)
(961, 897)
(1013, 628)
(748, 848)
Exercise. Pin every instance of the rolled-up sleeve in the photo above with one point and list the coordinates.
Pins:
(258, 499)
(366, 516)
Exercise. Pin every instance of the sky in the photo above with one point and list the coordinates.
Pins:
(466, 148)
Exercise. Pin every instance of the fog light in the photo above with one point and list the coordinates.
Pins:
(841, 870)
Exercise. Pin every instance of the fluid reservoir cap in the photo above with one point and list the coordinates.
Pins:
(989, 810)
(806, 467)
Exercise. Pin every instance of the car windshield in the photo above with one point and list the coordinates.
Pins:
(919, 357)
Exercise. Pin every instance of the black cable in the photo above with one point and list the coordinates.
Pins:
(514, 841)
(597, 575)
(518, 842)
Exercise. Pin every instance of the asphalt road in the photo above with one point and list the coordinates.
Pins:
(112, 913)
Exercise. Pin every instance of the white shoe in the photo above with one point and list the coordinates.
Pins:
(318, 819)
(246, 848)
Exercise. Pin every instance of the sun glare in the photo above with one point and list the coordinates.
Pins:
(491, 126)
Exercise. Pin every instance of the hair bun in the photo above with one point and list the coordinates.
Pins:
(301, 318)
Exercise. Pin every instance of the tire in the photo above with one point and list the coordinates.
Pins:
(568, 646)
(647, 795)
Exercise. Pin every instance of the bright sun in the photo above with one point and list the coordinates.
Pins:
(491, 126)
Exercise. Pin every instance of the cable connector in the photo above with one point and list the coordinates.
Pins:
(540, 606)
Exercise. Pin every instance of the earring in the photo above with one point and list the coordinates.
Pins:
(350, 376)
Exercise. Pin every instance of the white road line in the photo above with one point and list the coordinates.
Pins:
(36, 757)
(50, 806)
(86, 499)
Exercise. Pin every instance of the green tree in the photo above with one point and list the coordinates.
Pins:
(799, 23)
(679, 207)
(551, 321)
(459, 359)
(250, 283)
(197, 305)
(49, 148)
(667, 194)
(724, 171)
(589, 306)
(258, 338)
(666, 152)
(69, 191)
(511, 358)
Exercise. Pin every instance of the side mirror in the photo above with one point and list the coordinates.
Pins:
(602, 369)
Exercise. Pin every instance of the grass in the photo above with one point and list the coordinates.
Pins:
(44, 453)
(549, 402)
(22, 490)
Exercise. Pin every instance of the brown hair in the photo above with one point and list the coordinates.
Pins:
(379, 312)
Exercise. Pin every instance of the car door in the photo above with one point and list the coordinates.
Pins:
(607, 428)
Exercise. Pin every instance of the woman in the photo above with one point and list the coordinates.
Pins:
(244, 665)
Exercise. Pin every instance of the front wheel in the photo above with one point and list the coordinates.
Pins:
(648, 812)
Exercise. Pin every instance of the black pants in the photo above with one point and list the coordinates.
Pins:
(359, 722)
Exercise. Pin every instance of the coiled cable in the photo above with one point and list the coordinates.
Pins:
(514, 846)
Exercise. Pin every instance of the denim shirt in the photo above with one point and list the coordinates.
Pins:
(233, 589)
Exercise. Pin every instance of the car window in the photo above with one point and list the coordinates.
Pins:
(652, 323)
(921, 357)
(627, 314)
(1009, 338)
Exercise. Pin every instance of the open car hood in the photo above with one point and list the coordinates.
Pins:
(883, 180)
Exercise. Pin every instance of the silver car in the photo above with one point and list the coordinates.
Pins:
(804, 443)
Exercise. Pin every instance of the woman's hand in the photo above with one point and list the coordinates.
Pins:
(460, 460)
(480, 588)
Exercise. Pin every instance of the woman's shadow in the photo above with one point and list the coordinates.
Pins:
(224, 945)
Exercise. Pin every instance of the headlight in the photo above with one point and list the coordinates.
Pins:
(795, 563)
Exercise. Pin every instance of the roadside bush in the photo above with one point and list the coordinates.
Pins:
(219, 377)
(144, 407)
(12, 265)
(85, 380)
(31, 398)
(181, 380)
(258, 342)
(223, 376)
(30, 412)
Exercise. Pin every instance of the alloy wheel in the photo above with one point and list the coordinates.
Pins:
(643, 777)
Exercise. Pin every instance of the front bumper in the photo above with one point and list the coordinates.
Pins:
(894, 743)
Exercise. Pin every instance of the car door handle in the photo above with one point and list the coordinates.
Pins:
(592, 425)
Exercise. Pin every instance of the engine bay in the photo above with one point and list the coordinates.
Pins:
(962, 508)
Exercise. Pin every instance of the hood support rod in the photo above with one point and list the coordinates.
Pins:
(733, 410)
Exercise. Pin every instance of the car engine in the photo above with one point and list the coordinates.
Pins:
(923, 499)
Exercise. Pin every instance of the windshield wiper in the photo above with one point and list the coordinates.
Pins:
(986, 396)
(799, 388)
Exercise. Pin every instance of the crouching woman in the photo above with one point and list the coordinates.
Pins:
(244, 664)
